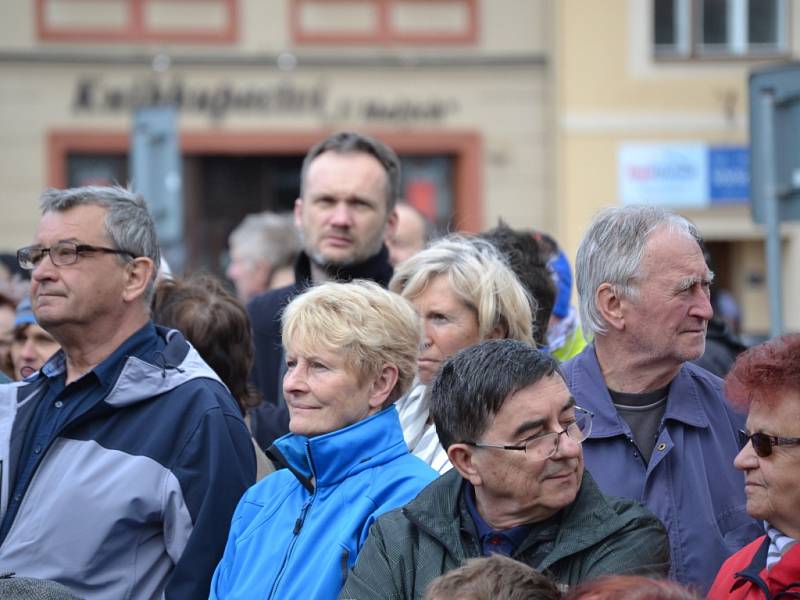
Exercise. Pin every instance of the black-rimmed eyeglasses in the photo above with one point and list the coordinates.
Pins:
(763, 443)
(545, 445)
(62, 254)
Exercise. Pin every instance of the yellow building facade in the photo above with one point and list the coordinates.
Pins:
(619, 99)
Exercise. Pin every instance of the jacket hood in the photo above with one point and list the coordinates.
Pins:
(178, 363)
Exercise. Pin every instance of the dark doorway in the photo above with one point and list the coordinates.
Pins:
(220, 190)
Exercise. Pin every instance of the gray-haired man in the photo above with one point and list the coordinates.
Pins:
(124, 456)
(663, 434)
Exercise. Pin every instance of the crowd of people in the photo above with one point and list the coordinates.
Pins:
(375, 413)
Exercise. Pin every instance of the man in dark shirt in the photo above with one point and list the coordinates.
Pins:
(518, 487)
(348, 191)
(124, 457)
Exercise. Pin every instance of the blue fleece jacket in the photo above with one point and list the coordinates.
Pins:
(291, 538)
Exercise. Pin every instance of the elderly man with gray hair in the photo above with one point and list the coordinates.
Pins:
(124, 455)
(663, 434)
(263, 249)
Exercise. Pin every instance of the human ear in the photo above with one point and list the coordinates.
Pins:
(391, 224)
(609, 304)
(462, 458)
(298, 212)
(138, 273)
(382, 386)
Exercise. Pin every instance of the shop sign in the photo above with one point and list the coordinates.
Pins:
(691, 175)
(94, 95)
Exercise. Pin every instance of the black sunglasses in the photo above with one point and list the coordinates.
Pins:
(763, 443)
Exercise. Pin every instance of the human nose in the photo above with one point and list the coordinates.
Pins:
(294, 381)
(44, 269)
(341, 217)
(427, 338)
(28, 351)
(746, 459)
(566, 447)
(702, 306)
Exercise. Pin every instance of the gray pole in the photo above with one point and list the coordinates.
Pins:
(771, 213)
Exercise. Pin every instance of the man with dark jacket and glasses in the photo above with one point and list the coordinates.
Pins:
(124, 456)
(513, 434)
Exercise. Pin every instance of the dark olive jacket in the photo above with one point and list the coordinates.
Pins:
(596, 535)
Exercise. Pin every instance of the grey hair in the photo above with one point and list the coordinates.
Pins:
(269, 236)
(611, 251)
(347, 142)
(128, 222)
(479, 276)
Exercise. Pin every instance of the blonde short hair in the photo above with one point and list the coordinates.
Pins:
(479, 276)
(368, 324)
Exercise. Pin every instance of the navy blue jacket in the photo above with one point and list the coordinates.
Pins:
(133, 498)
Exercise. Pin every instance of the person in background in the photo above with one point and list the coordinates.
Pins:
(525, 256)
(7, 314)
(350, 353)
(349, 185)
(14, 281)
(31, 345)
(216, 324)
(464, 292)
(631, 587)
(513, 433)
(564, 334)
(723, 344)
(663, 434)
(263, 248)
(412, 233)
(765, 381)
(127, 454)
(494, 577)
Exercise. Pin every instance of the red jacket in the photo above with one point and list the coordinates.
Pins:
(744, 575)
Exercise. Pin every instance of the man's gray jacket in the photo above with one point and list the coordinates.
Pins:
(596, 535)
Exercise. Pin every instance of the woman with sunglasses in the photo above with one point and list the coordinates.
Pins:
(766, 381)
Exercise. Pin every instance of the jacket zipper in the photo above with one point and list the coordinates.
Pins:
(298, 525)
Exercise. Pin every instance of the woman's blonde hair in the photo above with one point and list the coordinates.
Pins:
(479, 276)
(369, 325)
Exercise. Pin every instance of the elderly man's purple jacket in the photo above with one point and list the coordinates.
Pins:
(690, 483)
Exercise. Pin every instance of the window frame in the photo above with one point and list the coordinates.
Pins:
(689, 45)
(136, 29)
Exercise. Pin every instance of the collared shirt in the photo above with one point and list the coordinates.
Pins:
(493, 541)
(690, 482)
(60, 405)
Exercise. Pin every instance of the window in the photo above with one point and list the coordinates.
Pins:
(719, 28)
(191, 21)
(346, 22)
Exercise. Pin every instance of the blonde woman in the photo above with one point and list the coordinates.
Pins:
(351, 350)
(464, 293)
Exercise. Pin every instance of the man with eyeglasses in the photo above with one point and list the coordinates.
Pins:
(518, 487)
(663, 434)
(124, 456)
